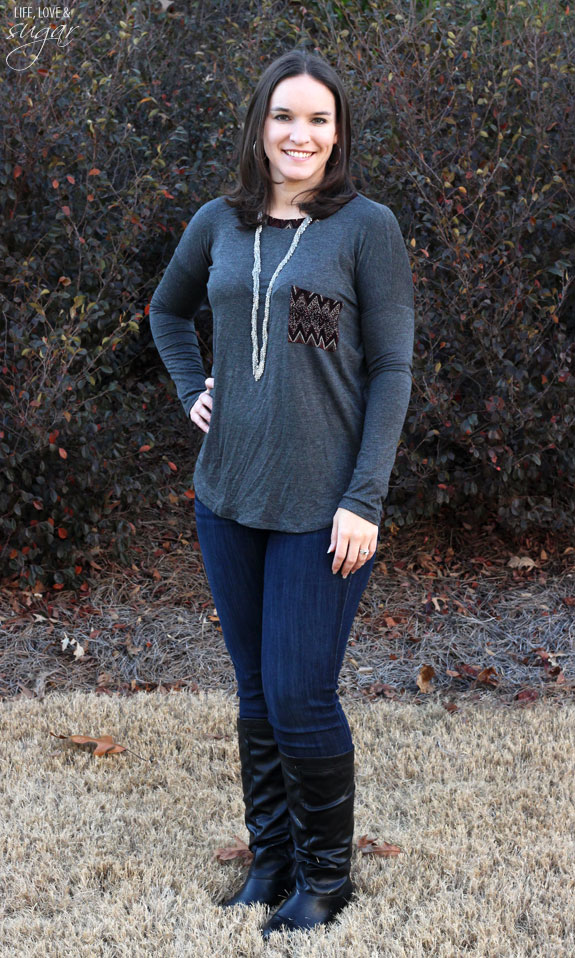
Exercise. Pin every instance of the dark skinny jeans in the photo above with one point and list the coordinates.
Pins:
(286, 619)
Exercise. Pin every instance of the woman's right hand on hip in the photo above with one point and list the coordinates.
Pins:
(201, 411)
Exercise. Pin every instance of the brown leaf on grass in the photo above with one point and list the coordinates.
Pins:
(543, 653)
(472, 671)
(424, 678)
(450, 706)
(105, 744)
(239, 850)
(527, 695)
(369, 846)
(488, 675)
(381, 688)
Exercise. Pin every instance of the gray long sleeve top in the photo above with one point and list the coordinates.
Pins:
(319, 430)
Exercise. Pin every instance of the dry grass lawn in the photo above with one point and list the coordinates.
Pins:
(114, 856)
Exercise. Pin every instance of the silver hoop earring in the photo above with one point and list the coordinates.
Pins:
(254, 149)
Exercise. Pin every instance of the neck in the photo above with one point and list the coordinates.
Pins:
(285, 211)
(282, 204)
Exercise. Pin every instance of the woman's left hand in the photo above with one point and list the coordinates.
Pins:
(349, 534)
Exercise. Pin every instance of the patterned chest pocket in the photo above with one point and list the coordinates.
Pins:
(313, 319)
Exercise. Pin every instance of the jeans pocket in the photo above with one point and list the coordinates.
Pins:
(313, 319)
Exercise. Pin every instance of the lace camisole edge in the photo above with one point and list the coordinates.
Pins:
(283, 223)
(287, 223)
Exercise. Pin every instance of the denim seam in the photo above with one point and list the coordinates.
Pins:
(334, 676)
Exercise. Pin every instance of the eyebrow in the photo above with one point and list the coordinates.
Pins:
(286, 109)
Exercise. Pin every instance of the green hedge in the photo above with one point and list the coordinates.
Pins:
(463, 125)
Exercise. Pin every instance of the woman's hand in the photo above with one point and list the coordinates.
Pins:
(201, 411)
(349, 534)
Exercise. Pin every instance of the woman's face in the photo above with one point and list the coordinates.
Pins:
(301, 118)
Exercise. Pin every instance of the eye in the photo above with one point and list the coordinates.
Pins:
(279, 116)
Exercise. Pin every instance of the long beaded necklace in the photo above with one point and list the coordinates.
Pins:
(259, 363)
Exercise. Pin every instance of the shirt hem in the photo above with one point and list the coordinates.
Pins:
(255, 522)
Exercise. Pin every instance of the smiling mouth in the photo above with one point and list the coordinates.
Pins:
(298, 154)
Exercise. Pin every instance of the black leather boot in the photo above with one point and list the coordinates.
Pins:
(320, 795)
(271, 875)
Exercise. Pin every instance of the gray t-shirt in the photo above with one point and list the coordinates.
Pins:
(319, 430)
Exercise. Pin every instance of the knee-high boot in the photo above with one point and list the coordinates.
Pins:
(320, 796)
(271, 875)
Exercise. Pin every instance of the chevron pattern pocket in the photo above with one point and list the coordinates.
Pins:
(313, 319)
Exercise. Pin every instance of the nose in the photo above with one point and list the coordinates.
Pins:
(299, 136)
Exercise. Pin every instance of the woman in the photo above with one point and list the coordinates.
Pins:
(312, 299)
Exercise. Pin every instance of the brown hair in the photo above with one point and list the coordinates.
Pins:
(252, 194)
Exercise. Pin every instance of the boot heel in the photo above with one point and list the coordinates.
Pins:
(320, 796)
(272, 872)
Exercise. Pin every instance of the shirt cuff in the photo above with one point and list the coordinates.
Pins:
(370, 513)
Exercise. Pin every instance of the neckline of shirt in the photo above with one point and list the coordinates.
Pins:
(289, 223)
(282, 223)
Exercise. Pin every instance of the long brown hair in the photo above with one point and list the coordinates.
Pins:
(252, 194)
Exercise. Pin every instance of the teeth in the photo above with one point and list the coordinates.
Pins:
(295, 153)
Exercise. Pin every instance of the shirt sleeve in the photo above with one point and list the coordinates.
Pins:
(384, 286)
(174, 303)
